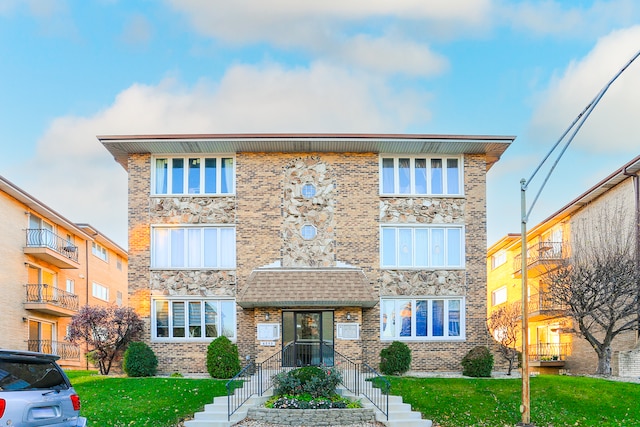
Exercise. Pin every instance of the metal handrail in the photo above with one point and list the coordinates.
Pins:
(65, 350)
(44, 293)
(549, 351)
(43, 238)
(540, 252)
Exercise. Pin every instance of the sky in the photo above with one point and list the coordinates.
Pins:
(72, 70)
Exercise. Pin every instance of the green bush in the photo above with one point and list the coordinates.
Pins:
(311, 380)
(395, 359)
(478, 362)
(222, 358)
(139, 360)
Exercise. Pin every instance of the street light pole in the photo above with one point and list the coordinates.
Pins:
(525, 408)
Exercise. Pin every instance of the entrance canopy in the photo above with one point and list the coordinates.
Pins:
(308, 287)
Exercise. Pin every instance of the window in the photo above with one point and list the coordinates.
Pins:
(422, 319)
(499, 296)
(99, 251)
(119, 263)
(119, 299)
(193, 319)
(498, 259)
(71, 286)
(193, 247)
(308, 191)
(194, 175)
(422, 247)
(308, 232)
(101, 292)
(420, 176)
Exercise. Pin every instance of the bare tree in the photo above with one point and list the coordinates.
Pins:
(106, 331)
(598, 282)
(504, 326)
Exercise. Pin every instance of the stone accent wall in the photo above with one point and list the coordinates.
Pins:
(193, 210)
(433, 282)
(317, 211)
(422, 210)
(204, 283)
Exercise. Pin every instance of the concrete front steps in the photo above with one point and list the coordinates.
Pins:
(215, 414)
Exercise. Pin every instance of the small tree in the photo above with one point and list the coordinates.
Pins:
(504, 325)
(598, 283)
(223, 360)
(478, 362)
(106, 330)
(139, 360)
(395, 359)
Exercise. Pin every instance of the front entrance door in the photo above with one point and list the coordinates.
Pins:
(307, 338)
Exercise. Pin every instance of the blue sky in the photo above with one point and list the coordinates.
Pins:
(71, 70)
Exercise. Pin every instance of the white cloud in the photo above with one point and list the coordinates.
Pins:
(568, 19)
(613, 124)
(80, 176)
(379, 35)
(137, 30)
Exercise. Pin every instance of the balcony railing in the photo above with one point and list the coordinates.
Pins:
(43, 238)
(543, 252)
(541, 305)
(549, 352)
(65, 350)
(47, 294)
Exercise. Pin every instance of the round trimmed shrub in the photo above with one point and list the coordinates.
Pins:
(223, 361)
(478, 362)
(395, 359)
(139, 360)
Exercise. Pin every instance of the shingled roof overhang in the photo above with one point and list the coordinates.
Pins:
(307, 287)
(121, 146)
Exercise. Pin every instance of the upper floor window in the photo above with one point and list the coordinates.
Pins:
(193, 247)
(194, 175)
(100, 251)
(100, 291)
(119, 263)
(420, 175)
(499, 296)
(498, 259)
(422, 247)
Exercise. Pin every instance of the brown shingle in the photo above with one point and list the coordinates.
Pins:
(327, 287)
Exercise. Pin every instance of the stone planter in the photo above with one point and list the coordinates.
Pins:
(313, 417)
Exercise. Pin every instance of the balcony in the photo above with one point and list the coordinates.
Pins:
(542, 307)
(48, 299)
(46, 246)
(65, 350)
(541, 258)
(549, 354)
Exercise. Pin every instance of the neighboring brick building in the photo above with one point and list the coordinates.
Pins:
(308, 244)
(50, 268)
(553, 343)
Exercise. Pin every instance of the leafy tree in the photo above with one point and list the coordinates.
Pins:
(599, 281)
(223, 360)
(106, 330)
(504, 326)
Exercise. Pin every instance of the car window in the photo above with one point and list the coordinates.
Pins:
(29, 375)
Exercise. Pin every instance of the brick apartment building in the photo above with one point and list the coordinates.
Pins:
(49, 268)
(308, 244)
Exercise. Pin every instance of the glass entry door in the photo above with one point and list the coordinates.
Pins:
(307, 338)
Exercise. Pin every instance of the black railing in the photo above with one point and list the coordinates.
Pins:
(257, 378)
(541, 252)
(39, 292)
(43, 238)
(549, 352)
(65, 350)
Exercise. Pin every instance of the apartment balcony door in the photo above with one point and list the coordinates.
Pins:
(41, 337)
(307, 338)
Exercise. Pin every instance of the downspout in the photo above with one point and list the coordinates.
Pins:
(86, 290)
(636, 188)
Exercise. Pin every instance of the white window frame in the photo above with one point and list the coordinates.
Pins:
(401, 229)
(396, 317)
(186, 300)
(499, 296)
(100, 291)
(189, 263)
(200, 191)
(412, 188)
(100, 251)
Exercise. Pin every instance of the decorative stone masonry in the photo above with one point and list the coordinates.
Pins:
(422, 210)
(194, 282)
(312, 417)
(194, 210)
(438, 282)
(629, 363)
(315, 210)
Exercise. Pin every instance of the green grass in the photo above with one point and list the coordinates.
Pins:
(556, 401)
(109, 401)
